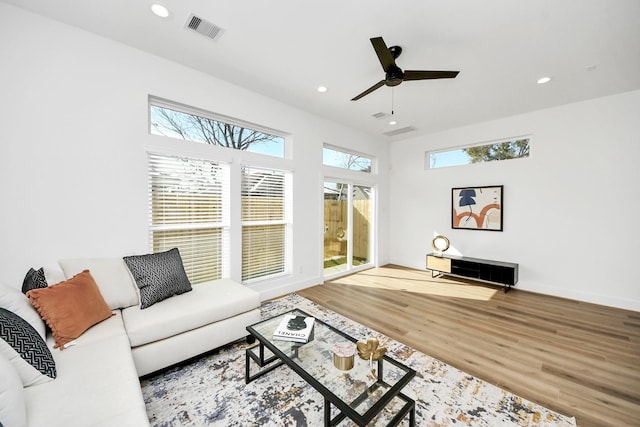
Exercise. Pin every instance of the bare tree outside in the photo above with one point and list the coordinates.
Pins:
(355, 162)
(336, 191)
(346, 160)
(191, 127)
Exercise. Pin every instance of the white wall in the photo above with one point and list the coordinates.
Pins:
(73, 135)
(571, 210)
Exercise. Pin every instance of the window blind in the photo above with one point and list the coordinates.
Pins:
(189, 209)
(265, 222)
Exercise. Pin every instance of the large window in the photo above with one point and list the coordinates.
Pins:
(189, 203)
(187, 123)
(192, 198)
(503, 150)
(266, 220)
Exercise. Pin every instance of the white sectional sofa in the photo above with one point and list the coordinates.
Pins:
(96, 383)
(97, 373)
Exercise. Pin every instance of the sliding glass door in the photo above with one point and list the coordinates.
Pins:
(347, 227)
(336, 227)
(361, 220)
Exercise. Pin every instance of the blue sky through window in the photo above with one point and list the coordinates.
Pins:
(448, 158)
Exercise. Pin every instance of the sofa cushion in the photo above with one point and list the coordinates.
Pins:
(208, 302)
(54, 274)
(12, 409)
(111, 276)
(70, 307)
(34, 279)
(97, 383)
(15, 301)
(159, 276)
(23, 346)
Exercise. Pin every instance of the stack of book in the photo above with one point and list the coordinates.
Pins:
(294, 328)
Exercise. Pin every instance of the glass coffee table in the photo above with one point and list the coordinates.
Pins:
(358, 393)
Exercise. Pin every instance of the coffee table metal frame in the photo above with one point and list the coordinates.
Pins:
(278, 358)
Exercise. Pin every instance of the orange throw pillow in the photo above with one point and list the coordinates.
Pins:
(70, 307)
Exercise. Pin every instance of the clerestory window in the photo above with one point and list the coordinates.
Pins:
(340, 158)
(190, 124)
(502, 150)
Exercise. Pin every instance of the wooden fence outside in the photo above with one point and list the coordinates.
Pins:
(336, 233)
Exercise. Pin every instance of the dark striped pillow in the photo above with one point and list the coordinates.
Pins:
(23, 346)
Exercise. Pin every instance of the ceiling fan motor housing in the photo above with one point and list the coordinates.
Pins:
(394, 76)
(395, 51)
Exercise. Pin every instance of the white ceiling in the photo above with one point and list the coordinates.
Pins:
(285, 49)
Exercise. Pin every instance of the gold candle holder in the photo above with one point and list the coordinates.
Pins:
(343, 356)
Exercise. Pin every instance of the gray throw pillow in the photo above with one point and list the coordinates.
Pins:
(159, 276)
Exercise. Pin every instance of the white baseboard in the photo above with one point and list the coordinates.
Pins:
(269, 290)
(600, 299)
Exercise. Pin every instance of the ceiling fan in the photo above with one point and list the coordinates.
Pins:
(393, 74)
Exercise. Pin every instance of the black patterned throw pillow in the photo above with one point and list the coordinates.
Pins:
(34, 279)
(18, 336)
(159, 276)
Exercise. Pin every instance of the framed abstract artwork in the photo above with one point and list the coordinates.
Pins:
(477, 208)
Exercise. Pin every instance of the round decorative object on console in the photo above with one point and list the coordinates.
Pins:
(440, 244)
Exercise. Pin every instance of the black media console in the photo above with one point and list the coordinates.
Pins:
(498, 272)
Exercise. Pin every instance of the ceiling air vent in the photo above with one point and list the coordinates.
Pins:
(203, 27)
(399, 131)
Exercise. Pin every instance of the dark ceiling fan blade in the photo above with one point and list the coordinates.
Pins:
(371, 89)
(425, 75)
(384, 55)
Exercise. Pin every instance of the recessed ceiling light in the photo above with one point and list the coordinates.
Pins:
(159, 10)
(322, 89)
(544, 80)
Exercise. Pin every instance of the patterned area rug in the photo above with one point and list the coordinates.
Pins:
(211, 391)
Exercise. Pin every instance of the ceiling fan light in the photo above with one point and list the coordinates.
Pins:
(543, 80)
(393, 122)
(322, 89)
(159, 10)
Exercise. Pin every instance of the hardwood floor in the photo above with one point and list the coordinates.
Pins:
(576, 358)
